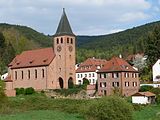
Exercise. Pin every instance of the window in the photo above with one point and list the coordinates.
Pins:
(35, 73)
(115, 84)
(42, 73)
(67, 40)
(16, 75)
(126, 75)
(57, 41)
(89, 74)
(126, 84)
(29, 74)
(115, 75)
(81, 75)
(22, 74)
(61, 40)
(85, 75)
(93, 75)
(71, 41)
(78, 75)
(134, 84)
(93, 81)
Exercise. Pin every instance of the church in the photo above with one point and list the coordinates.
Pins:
(46, 68)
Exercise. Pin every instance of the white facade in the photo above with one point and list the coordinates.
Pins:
(141, 99)
(156, 71)
(91, 76)
(4, 76)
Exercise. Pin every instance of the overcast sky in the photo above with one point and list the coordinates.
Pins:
(87, 17)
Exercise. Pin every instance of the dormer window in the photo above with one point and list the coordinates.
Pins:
(31, 61)
(45, 60)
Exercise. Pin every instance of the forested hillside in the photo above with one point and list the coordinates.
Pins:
(19, 38)
(126, 42)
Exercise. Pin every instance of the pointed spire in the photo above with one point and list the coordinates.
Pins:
(64, 27)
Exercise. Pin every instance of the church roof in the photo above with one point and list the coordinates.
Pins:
(64, 27)
(33, 58)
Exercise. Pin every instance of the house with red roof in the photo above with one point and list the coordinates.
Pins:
(88, 70)
(117, 76)
(46, 68)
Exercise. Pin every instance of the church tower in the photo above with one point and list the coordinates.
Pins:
(64, 48)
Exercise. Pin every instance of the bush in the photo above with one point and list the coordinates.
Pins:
(29, 91)
(20, 91)
(109, 108)
(158, 99)
(145, 88)
(155, 91)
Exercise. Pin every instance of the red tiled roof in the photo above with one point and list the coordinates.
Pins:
(8, 79)
(90, 65)
(117, 64)
(33, 58)
(147, 94)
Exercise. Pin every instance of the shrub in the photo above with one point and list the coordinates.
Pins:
(20, 91)
(155, 91)
(145, 88)
(158, 99)
(29, 91)
(109, 108)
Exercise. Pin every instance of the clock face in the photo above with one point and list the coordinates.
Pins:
(70, 48)
(59, 48)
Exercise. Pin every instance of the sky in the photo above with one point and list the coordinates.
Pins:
(87, 17)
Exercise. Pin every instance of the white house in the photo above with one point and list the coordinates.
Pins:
(88, 70)
(4, 76)
(143, 98)
(156, 71)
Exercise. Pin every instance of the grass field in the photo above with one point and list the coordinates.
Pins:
(41, 115)
(148, 113)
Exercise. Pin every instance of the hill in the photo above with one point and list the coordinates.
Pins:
(126, 42)
(103, 46)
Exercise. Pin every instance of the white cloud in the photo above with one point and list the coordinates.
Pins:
(86, 16)
(129, 17)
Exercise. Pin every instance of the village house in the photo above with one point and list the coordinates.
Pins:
(88, 70)
(156, 72)
(117, 76)
(143, 98)
(46, 68)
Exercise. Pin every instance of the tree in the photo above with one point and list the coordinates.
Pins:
(2, 44)
(2, 93)
(152, 46)
(9, 54)
(109, 108)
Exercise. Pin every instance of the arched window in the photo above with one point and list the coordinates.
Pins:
(61, 40)
(42, 73)
(71, 41)
(35, 73)
(67, 40)
(16, 75)
(57, 41)
(29, 74)
(22, 74)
